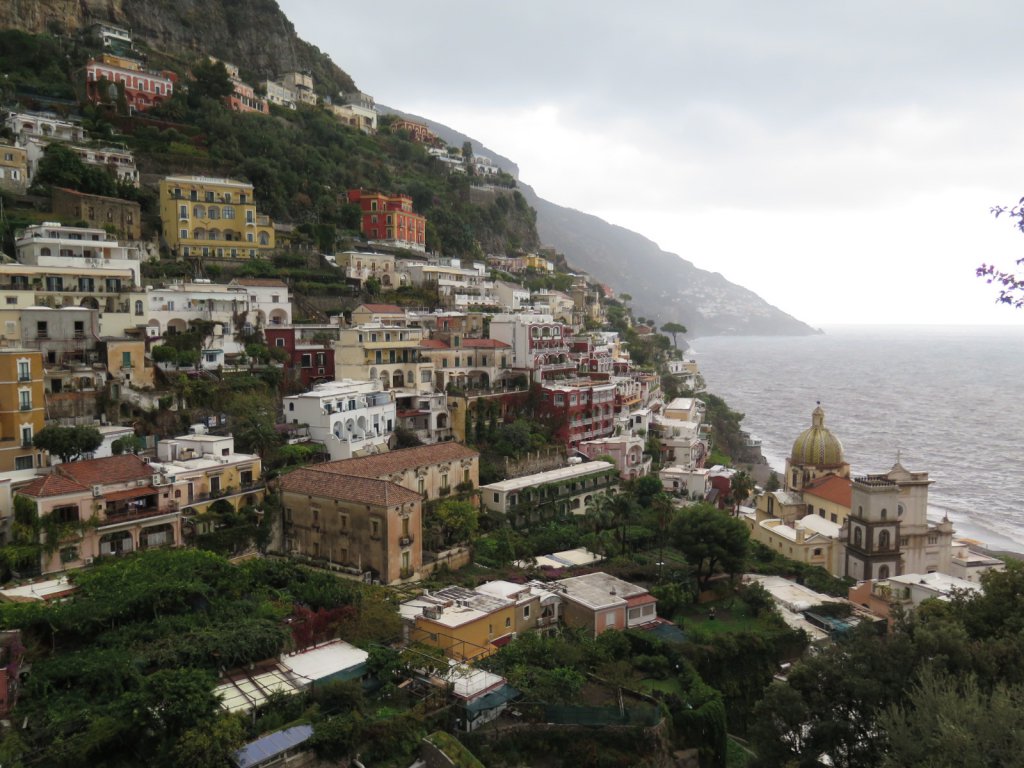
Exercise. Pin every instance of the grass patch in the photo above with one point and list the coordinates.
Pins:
(731, 615)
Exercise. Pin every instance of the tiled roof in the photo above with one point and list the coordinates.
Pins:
(434, 344)
(112, 469)
(831, 488)
(485, 344)
(51, 485)
(313, 481)
(388, 463)
(386, 309)
(261, 282)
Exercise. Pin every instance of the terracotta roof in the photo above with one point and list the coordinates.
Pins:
(51, 485)
(485, 344)
(386, 309)
(434, 344)
(313, 481)
(398, 461)
(112, 469)
(831, 488)
(261, 282)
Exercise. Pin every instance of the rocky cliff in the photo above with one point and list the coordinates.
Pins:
(664, 286)
(254, 34)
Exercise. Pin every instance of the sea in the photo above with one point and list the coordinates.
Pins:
(948, 400)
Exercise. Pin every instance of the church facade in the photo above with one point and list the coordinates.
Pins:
(880, 521)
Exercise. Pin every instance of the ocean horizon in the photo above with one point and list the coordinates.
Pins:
(940, 397)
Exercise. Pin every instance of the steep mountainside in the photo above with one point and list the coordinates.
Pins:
(254, 34)
(663, 285)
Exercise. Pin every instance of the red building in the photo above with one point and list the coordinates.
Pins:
(390, 218)
(578, 410)
(142, 89)
(310, 350)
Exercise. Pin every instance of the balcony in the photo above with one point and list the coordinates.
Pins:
(225, 493)
(23, 377)
(131, 514)
(25, 407)
(405, 541)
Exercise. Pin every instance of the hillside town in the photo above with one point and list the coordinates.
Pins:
(457, 495)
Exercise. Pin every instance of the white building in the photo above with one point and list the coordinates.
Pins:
(511, 297)
(350, 418)
(43, 125)
(456, 285)
(269, 301)
(685, 481)
(571, 489)
(52, 244)
(279, 94)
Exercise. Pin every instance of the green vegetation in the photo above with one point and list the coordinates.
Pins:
(69, 443)
(123, 671)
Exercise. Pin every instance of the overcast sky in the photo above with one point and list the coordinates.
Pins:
(838, 159)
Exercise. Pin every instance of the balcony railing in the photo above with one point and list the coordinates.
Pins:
(26, 406)
(225, 493)
(405, 541)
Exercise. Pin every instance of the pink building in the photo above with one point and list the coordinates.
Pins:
(142, 89)
(104, 507)
(626, 450)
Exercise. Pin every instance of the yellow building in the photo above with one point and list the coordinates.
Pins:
(22, 412)
(126, 362)
(204, 468)
(213, 219)
(13, 168)
(466, 625)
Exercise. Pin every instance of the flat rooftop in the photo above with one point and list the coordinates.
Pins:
(551, 476)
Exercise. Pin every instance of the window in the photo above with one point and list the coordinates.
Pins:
(883, 540)
(933, 538)
(214, 485)
(307, 361)
(883, 572)
(26, 437)
(526, 611)
(25, 400)
(375, 529)
(23, 371)
(421, 486)
(885, 514)
(508, 622)
(138, 307)
(23, 462)
(858, 537)
(68, 554)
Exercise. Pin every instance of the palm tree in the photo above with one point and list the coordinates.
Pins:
(615, 510)
(664, 510)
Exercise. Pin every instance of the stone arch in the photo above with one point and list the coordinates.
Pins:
(177, 325)
(90, 302)
(397, 380)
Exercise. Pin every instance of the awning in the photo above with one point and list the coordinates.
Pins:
(131, 493)
(493, 699)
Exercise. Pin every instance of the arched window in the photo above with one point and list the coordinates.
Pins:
(794, 478)
(228, 212)
(883, 572)
(883, 540)
(264, 238)
(199, 211)
(44, 251)
(899, 510)
(214, 212)
(885, 513)
(138, 307)
(858, 537)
